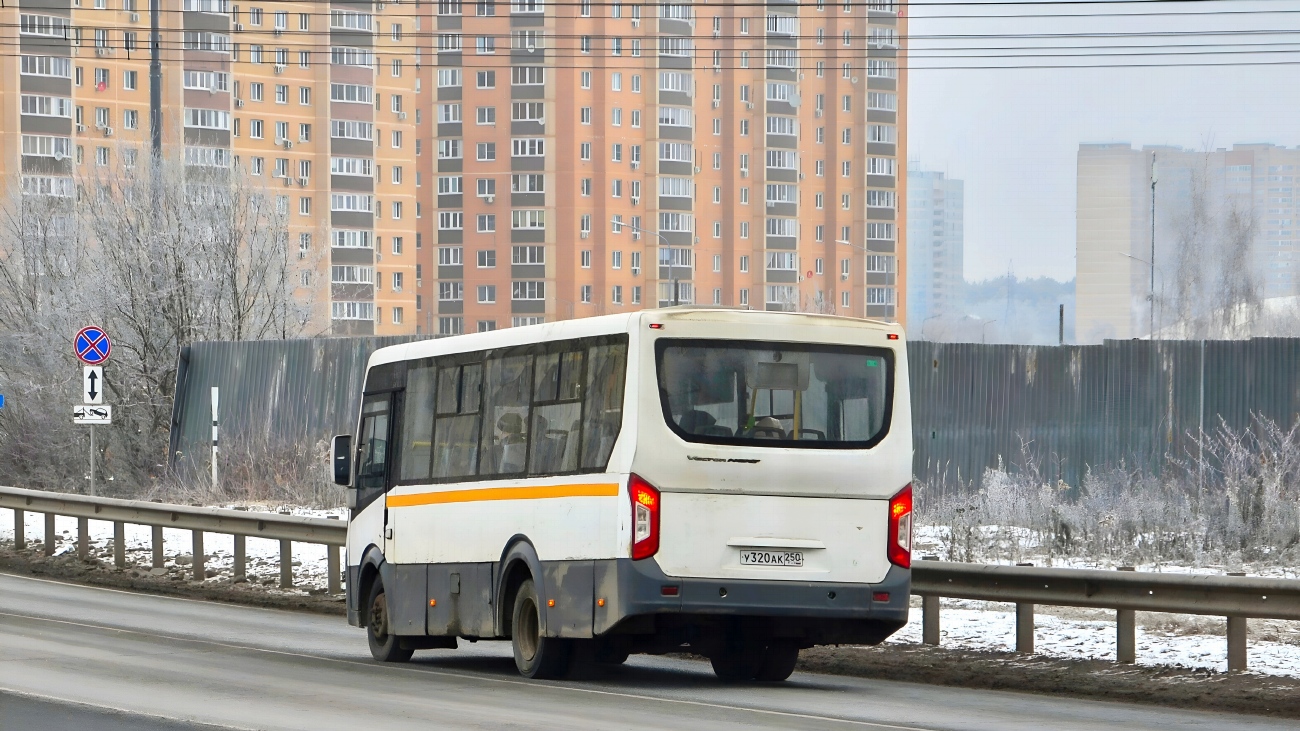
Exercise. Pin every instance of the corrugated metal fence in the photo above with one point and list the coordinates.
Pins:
(1123, 402)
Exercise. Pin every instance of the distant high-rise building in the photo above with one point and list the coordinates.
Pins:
(935, 245)
(1225, 232)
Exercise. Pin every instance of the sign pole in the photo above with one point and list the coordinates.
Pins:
(216, 483)
(92, 460)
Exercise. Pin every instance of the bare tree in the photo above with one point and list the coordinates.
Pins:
(159, 261)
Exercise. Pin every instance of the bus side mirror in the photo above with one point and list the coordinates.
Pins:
(341, 457)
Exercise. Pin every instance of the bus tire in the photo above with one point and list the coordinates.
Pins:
(736, 664)
(778, 661)
(536, 656)
(384, 646)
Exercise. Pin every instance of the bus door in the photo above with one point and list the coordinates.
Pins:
(373, 454)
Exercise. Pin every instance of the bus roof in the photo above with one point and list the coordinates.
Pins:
(608, 325)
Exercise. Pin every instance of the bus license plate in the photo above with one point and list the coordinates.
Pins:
(771, 558)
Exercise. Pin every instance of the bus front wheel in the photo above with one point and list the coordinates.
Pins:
(384, 645)
(535, 656)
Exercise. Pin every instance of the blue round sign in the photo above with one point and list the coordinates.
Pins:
(93, 346)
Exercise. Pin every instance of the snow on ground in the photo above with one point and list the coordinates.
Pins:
(263, 554)
(990, 626)
(969, 625)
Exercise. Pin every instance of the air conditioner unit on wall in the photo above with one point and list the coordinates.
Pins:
(279, 68)
(135, 17)
(584, 234)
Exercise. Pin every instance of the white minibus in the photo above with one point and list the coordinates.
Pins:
(734, 484)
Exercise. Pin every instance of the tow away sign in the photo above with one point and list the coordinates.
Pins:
(82, 414)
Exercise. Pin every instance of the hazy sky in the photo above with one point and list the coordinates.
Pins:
(1013, 135)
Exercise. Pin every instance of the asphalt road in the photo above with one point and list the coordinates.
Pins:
(80, 657)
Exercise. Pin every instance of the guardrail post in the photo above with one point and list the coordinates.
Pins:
(158, 559)
(1125, 636)
(1025, 628)
(83, 538)
(49, 534)
(930, 620)
(198, 555)
(1025, 625)
(286, 564)
(20, 529)
(119, 544)
(1236, 643)
(1236, 638)
(332, 568)
(1126, 632)
(241, 555)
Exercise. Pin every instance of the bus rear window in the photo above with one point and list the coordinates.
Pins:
(768, 394)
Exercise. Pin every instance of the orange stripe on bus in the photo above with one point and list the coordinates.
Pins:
(538, 492)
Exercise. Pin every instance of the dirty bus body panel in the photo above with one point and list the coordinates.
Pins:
(729, 480)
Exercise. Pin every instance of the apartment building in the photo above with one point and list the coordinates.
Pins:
(456, 166)
(585, 158)
(1222, 201)
(935, 244)
(308, 98)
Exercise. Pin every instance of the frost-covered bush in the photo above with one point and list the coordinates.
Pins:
(1237, 499)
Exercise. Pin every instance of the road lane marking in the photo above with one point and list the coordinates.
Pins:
(124, 711)
(463, 677)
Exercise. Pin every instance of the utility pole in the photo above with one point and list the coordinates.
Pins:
(1060, 324)
(1152, 309)
(155, 80)
(672, 273)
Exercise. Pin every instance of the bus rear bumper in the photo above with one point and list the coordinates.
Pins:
(645, 599)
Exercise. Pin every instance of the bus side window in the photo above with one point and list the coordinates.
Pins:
(506, 391)
(417, 425)
(455, 441)
(557, 409)
(602, 409)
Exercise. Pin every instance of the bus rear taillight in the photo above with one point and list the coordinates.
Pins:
(900, 528)
(645, 518)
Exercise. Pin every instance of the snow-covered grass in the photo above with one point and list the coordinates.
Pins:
(262, 554)
(1162, 639)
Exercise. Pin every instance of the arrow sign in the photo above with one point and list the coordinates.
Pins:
(92, 414)
(92, 346)
(92, 385)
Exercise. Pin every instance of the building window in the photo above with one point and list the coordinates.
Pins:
(586, 258)
(451, 291)
(744, 264)
(487, 223)
(487, 259)
(487, 294)
(586, 294)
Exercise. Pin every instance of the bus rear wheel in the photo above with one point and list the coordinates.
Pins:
(535, 656)
(778, 661)
(384, 645)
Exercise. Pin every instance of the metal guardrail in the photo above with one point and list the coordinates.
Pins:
(287, 529)
(1235, 597)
